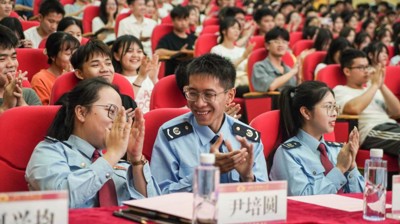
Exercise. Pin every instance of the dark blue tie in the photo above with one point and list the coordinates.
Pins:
(214, 139)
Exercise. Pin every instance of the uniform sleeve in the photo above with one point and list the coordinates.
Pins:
(355, 181)
(30, 97)
(166, 168)
(260, 166)
(304, 179)
(50, 169)
(261, 78)
(152, 187)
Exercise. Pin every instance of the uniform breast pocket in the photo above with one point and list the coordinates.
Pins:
(314, 171)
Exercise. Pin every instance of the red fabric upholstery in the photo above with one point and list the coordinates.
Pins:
(28, 24)
(310, 63)
(295, 37)
(259, 40)
(36, 4)
(14, 14)
(166, 20)
(392, 79)
(214, 29)
(210, 21)
(154, 119)
(332, 75)
(21, 129)
(159, 32)
(166, 94)
(118, 19)
(31, 60)
(362, 155)
(204, 44)
(302, 45)
(68, 81)
(391, 52)
(89, 13)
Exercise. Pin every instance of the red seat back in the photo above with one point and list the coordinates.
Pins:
(159, 32)
(166, 20)
(89, 13)
(214, 29)
(294, 38)
(310, 63)
(28, 24)
(31, 60)
(332, 75)
(259, 40)
(42, 43)
(204, 44)
(302, 45)
(166, 94)
(211, 21)
(21, 129)
(68, 81)
(154, 120)
(392, 79)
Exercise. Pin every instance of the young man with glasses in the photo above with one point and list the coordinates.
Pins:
(272, 73)
(366, 94)
(207, 129)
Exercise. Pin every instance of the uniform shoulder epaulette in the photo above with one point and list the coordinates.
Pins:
(178, 130)
(291, 145)
(54, 140)
(247, 132)
(334, 144)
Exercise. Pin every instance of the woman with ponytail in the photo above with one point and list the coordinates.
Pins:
(71, 157)
(310, 164)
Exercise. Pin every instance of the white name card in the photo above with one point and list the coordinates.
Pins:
(252, 202)
(396, 194)
(36, 207)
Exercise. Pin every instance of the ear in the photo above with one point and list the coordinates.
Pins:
(79, 74)
(231, 95)
(305, 113)
(266, 46)
(346, 72)
(40, 17)
(80, 113)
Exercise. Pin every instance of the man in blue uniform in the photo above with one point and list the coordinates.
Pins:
(207, 129)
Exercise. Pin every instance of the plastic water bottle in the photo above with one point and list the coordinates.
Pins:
(205, 183)
(375, 174)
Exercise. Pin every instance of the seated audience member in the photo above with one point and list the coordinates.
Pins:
(337, 46)
(76, 10)
(178, 41)
(59, 48)
(15, 25)
(323, 40)
(362, 40)
(50, 14)
(294, 22)
(195, 26)
(310, 32)
(71, 156)
(272, 73)
(279, 20)
(377, 53)
(337, 24)
(164, 8)
(264, 19)
(11, 92)
(395, 60)
(351, 20)
(348, 33)
(138, 25)
(384, 35)
(310, 164)
(369, 26)
(6, 7)
(366, 94)
(72, 26)
(105, 22)
(94, 60)
(229, 32)
(151, 10)
(129, 60)
(207, 129)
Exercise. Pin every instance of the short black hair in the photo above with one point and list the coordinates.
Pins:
(213, 65)
(348, 55)
(285, 4)
(179, 12)
(260, 13)
(68, 21)
(338, 45)
(275, 33)
(8, 39)
(87, 51)
(309, 32)
(49, 6)
(59, 41)
(15, 25)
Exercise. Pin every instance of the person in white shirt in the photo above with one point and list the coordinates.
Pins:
(50, 14)
(366, 94)
(137, 25)
(106, 21)
(129, 60)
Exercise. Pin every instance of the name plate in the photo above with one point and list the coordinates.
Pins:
(396, 194)
(252, 202)
(36, 207)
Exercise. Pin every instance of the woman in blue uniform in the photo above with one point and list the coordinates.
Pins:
(310, 164)
(70, 158)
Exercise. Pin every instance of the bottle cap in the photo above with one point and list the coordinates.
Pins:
(377, 153)
(207, 158)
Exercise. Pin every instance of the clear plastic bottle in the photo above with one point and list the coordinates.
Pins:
(205, 183)
(375, 174)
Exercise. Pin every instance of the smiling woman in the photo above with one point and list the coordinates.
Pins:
(70, 158)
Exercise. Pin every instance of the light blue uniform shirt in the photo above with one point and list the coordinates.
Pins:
(300, 164)
(174, 159)
(67, 165)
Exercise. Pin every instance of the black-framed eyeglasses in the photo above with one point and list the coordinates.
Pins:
(207, 96)
(112, 110)
(330, 108)
(361, 67)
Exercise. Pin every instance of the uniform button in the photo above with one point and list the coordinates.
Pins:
(351, 176)
(314, 173)
(83, 165)
(108, 175)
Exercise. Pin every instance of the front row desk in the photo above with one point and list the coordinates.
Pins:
(237, 203)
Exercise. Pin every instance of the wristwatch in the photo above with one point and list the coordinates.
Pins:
(142, 161)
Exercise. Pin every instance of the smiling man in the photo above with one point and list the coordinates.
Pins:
(207, 129)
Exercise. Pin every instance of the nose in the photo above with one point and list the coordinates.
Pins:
(10, 63)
